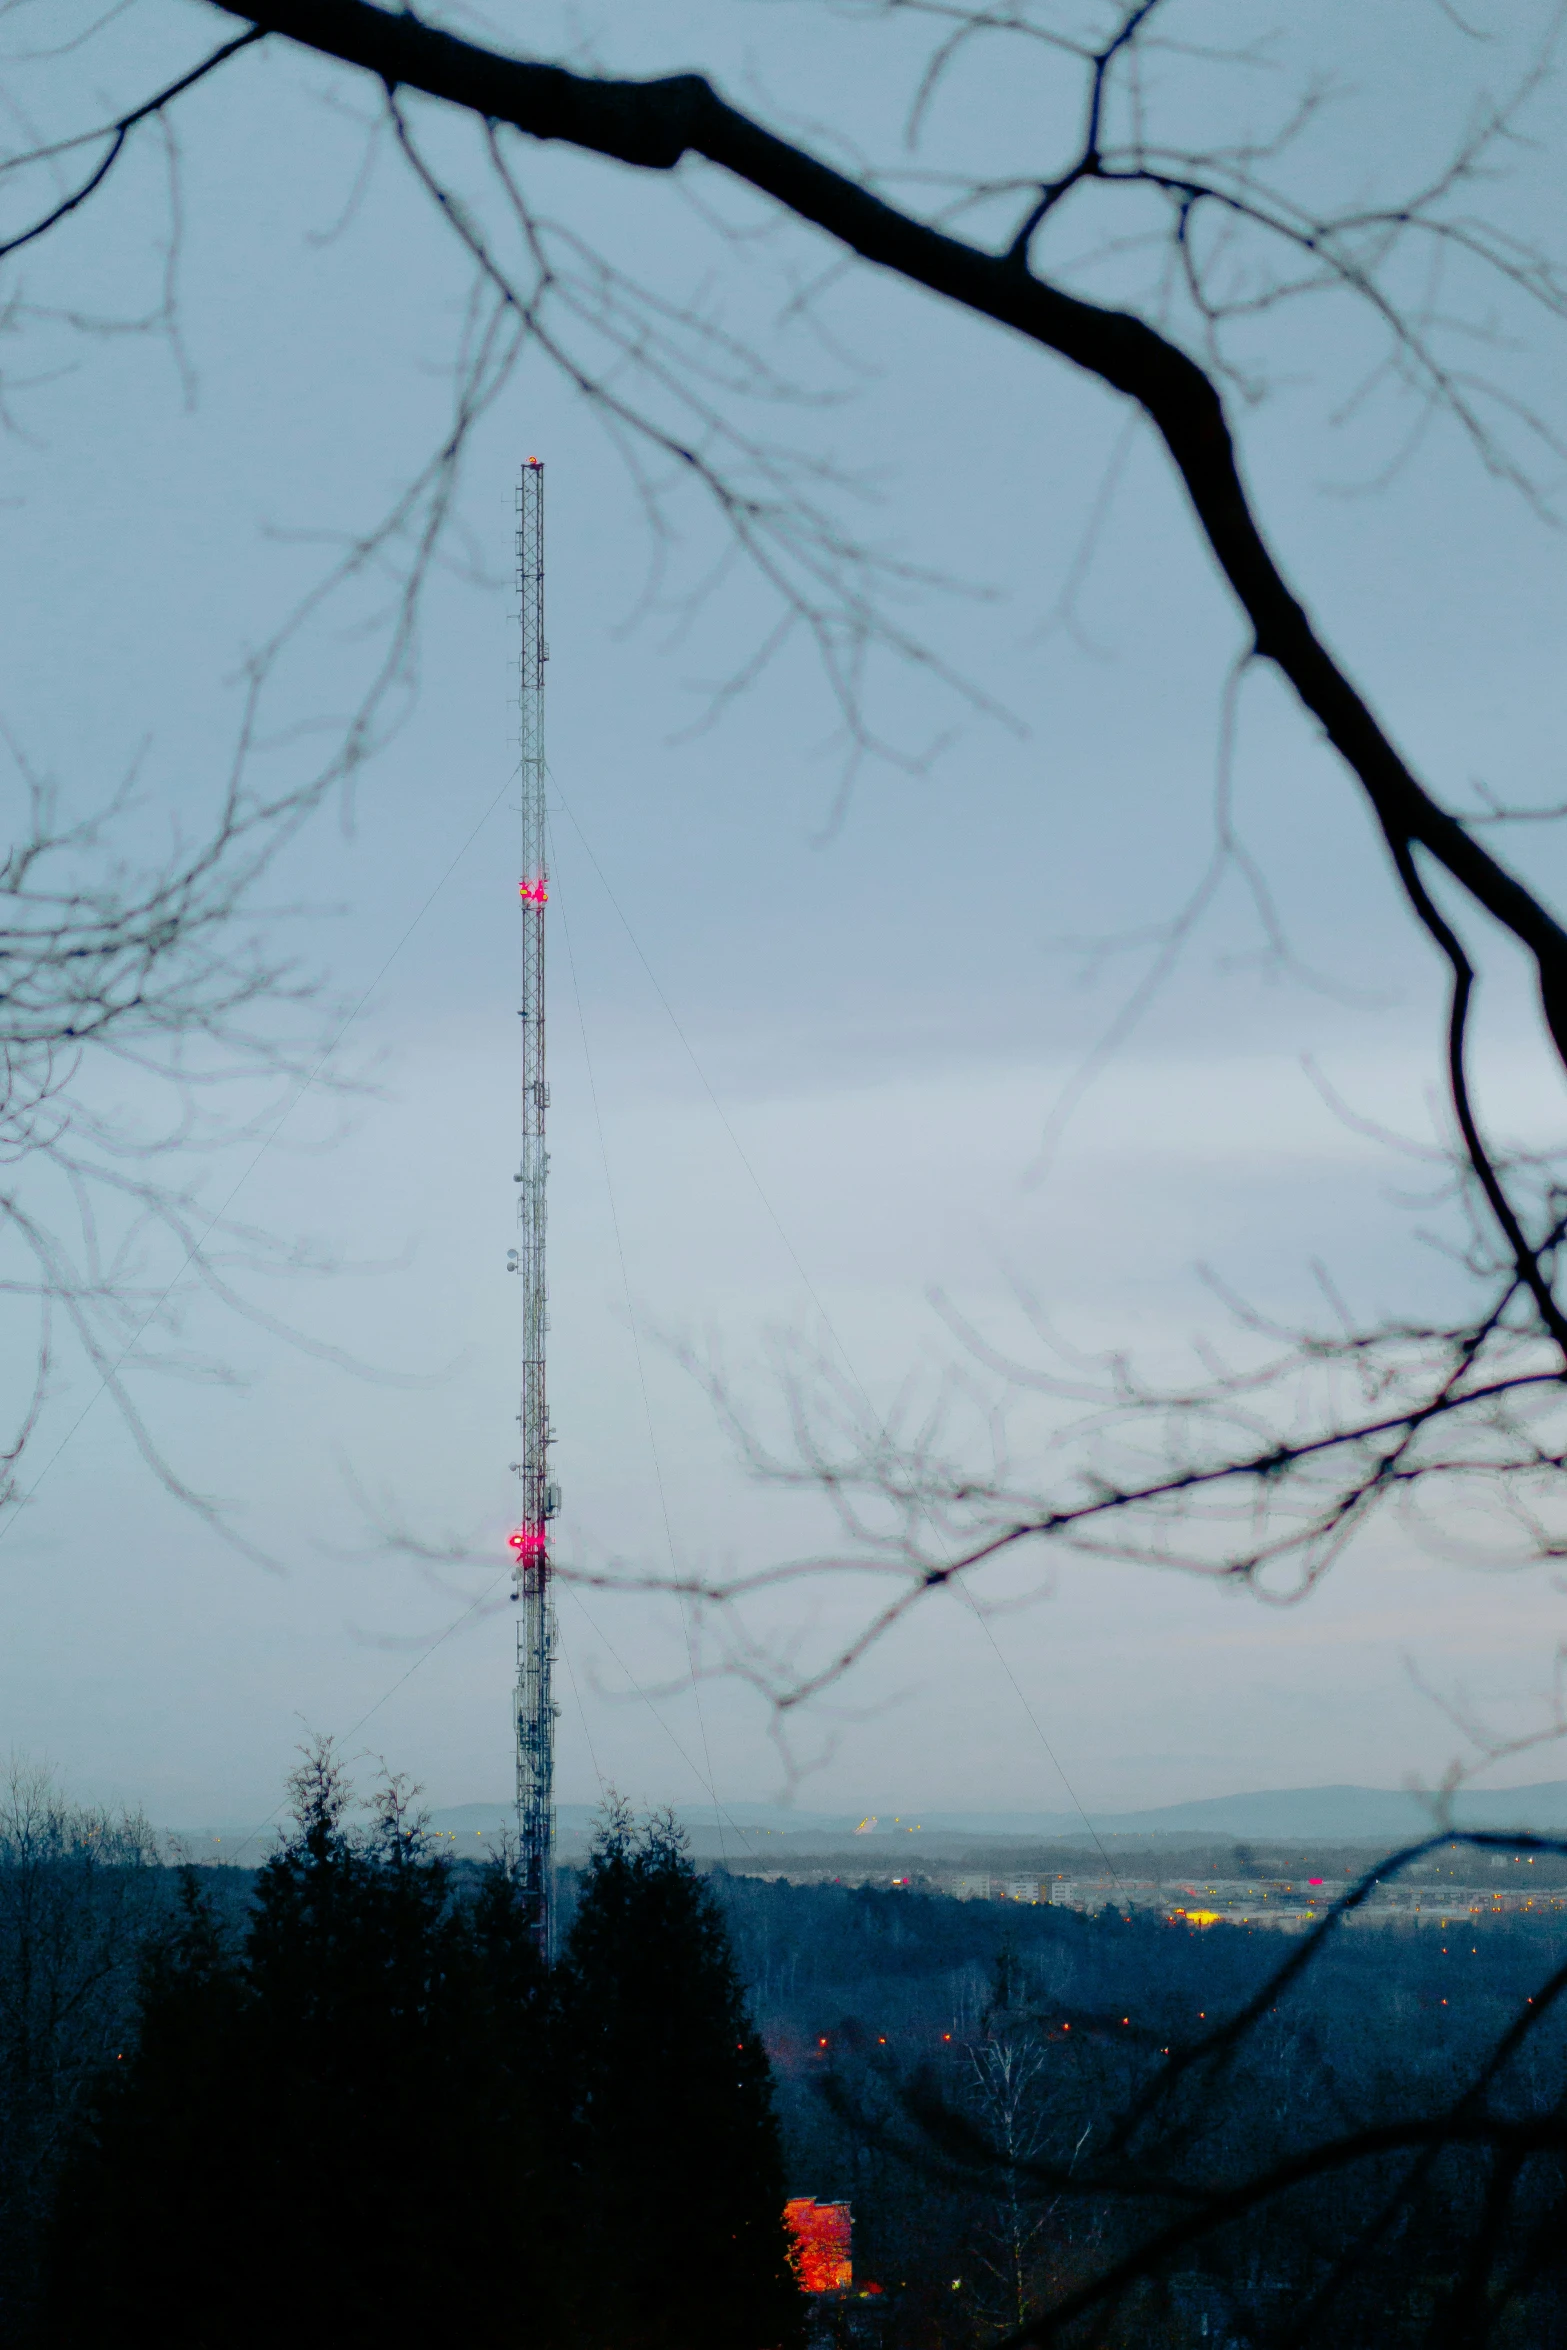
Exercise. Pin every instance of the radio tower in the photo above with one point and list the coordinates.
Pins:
(540, 1497)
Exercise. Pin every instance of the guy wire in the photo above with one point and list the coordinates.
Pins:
(636, 1342)
(966, 1595)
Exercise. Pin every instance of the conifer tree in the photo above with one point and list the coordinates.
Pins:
(342, 2123)
(674, 2133)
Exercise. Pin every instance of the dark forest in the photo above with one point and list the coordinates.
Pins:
(334, 2080)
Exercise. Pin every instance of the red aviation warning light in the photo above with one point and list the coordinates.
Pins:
(528, 1541)
(534, 893)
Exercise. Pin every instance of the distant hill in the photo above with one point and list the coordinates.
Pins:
(1350, 1815)
(1343, 1814)
(576, 1819)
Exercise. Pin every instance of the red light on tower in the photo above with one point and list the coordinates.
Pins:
(822, 2244)
(534, 1710)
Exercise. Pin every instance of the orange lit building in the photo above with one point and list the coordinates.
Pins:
(823, 2244)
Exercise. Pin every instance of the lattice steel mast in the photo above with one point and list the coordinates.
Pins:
(540, 1496)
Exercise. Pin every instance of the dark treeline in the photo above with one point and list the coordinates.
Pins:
(360, 2110)
(339, 2096)
(961, 2071)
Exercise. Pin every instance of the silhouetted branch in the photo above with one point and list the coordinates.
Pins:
(653, 125)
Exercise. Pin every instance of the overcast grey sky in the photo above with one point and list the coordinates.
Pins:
(882, 1005)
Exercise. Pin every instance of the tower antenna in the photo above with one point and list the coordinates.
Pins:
(540, 1496)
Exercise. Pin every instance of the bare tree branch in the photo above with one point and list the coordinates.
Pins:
(654, 125)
